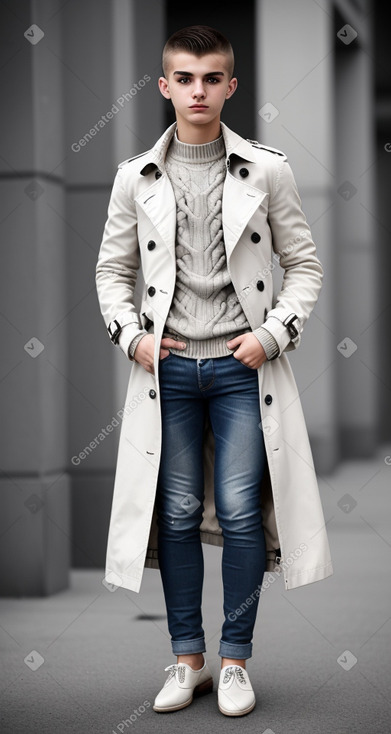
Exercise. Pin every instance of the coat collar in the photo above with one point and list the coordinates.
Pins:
(239, 202)
(234, 144)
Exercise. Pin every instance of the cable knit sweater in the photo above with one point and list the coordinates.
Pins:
(205, 312)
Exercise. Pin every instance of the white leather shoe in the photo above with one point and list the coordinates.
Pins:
(181, 685)
(235, 693)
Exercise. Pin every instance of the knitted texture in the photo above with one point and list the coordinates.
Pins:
(205, 311)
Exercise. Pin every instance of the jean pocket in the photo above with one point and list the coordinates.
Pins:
(243, 365)
(163, 359)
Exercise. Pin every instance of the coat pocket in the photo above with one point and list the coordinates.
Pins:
(146, 321)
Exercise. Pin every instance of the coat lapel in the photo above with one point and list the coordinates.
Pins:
(159, 205)
(240, 202)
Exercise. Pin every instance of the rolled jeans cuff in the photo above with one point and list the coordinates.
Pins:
(230, 650)
(188, 647)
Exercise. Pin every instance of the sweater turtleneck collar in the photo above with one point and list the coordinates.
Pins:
(196, 153)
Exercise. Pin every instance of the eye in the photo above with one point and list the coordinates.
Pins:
(185, 79)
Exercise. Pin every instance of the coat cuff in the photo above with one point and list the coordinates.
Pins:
(268, 342)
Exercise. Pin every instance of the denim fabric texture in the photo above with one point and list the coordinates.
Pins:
(229, 391)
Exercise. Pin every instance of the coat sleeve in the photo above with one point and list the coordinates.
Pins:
(118, 264)
(303, 272)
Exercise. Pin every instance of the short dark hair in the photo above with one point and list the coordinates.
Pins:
(198, 40)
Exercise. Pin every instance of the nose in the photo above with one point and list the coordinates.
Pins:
(198, 90)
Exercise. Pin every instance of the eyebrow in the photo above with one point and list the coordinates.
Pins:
(210, 73)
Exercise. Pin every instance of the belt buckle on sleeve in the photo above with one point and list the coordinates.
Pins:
(114, 328)
(288, 322)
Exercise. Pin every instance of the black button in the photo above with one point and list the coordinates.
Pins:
(152, 393)
(268, 399)
(255, 237)
(151, 290)
(158, 174)
(243, 172)
(260, 285)
(151, 245)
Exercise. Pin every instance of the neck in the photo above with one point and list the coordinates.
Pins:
(198, 134)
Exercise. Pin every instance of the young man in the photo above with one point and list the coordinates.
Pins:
(202, 212)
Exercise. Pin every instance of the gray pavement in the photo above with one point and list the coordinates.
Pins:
(321, 658)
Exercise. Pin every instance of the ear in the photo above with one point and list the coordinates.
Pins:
(163, 86)
(232, 86)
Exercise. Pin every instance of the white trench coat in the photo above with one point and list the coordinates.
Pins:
(259, 196)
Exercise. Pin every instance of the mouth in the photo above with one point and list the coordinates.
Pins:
(198, 107)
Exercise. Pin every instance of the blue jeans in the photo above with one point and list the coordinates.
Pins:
(229, 391)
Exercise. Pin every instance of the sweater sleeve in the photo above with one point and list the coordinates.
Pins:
(128, 341)
(134, 343)
(268, 342)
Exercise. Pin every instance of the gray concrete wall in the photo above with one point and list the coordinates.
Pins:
(34, 486)
(356, 256)
(320, 88)
(108, 57)
(382, 211)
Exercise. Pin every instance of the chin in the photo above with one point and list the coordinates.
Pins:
(196, 120)
(202, 116)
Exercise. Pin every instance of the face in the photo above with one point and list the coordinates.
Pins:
(196, 81)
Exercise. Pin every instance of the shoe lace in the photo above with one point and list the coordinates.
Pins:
(228, 674)
(240, 675)
(174, 670)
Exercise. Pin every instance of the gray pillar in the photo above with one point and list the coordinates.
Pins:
(295, 114)
(358, 306)
(89, 116)
(34, 485)
(382, 81)
(109, 47)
